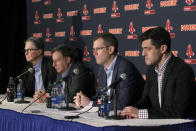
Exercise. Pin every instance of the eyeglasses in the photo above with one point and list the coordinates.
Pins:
(29, 50)
(99, 48)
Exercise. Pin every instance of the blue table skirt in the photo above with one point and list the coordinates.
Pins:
(14, 121)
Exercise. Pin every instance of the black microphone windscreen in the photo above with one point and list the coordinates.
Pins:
(76, 71)
(30, 70)
(123, 76)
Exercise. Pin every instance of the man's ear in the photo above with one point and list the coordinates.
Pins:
(69, 60)
(163, 48)
(111, 49)
(40, 52)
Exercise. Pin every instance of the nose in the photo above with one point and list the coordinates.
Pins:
(143, 53)
(53, 64)
(26, 52)
(94, 52)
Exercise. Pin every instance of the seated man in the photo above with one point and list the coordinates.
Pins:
(81, 81)
(170, 83)
(105, 49)
(37, 82)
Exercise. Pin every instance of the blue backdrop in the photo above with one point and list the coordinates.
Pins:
(75, 22)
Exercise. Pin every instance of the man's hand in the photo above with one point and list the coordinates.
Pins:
(38, 94)
(129, 112)
(81, 100)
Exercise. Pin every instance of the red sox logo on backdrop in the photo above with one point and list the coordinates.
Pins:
(149, 5)
(190, 54)
(189, 7)
(86, 55)
(36, 21)
(189, 2)
(72, 33)
(131, 30)
(115, 9)
(59, 14)
(99, 31)
(47, 2)
(48, 35)
(85, 12)
(189, 51)
(168, 27)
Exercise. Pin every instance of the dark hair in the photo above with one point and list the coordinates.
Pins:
(38, 43)
(65, 50)
(109, 40)
(159, 36)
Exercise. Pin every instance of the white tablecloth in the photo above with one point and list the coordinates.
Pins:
(90, 118)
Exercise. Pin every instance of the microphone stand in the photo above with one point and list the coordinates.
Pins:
(115, 116)
(33, 102)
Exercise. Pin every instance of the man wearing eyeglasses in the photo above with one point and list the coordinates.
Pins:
(105, 49)
(36, 83)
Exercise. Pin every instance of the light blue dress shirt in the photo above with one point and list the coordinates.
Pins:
(38, 77)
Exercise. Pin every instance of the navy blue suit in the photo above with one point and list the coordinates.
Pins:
(128, 90)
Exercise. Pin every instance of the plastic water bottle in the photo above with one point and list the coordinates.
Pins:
(61, 96)
(11, 90)
(20, 91)
(54, 94)
(104, 106)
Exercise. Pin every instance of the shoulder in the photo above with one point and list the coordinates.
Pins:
(80, 66)
(123, 64)
(179, 65)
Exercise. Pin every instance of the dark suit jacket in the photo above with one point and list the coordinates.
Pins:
(84, 81)
(177, 92)
(129, 90)
(48, 75)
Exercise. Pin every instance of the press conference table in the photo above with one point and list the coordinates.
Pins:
(38, 117)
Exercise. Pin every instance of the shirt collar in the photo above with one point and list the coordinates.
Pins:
(111, 67)
(38, 66)
(66, 72)
(163, 66)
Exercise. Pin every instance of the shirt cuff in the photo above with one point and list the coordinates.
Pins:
(143, 114)
(90, 104)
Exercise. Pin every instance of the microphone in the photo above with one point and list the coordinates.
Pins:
(123, 76)
(75, 72)
(29, 70)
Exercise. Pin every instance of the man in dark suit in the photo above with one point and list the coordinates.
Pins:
(43, 70)
(170, 82)
(79, 77)
(105, 49)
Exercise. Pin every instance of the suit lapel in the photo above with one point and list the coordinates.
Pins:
(115, 72)
(166, 76)
(44, 70)
(154, 92)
